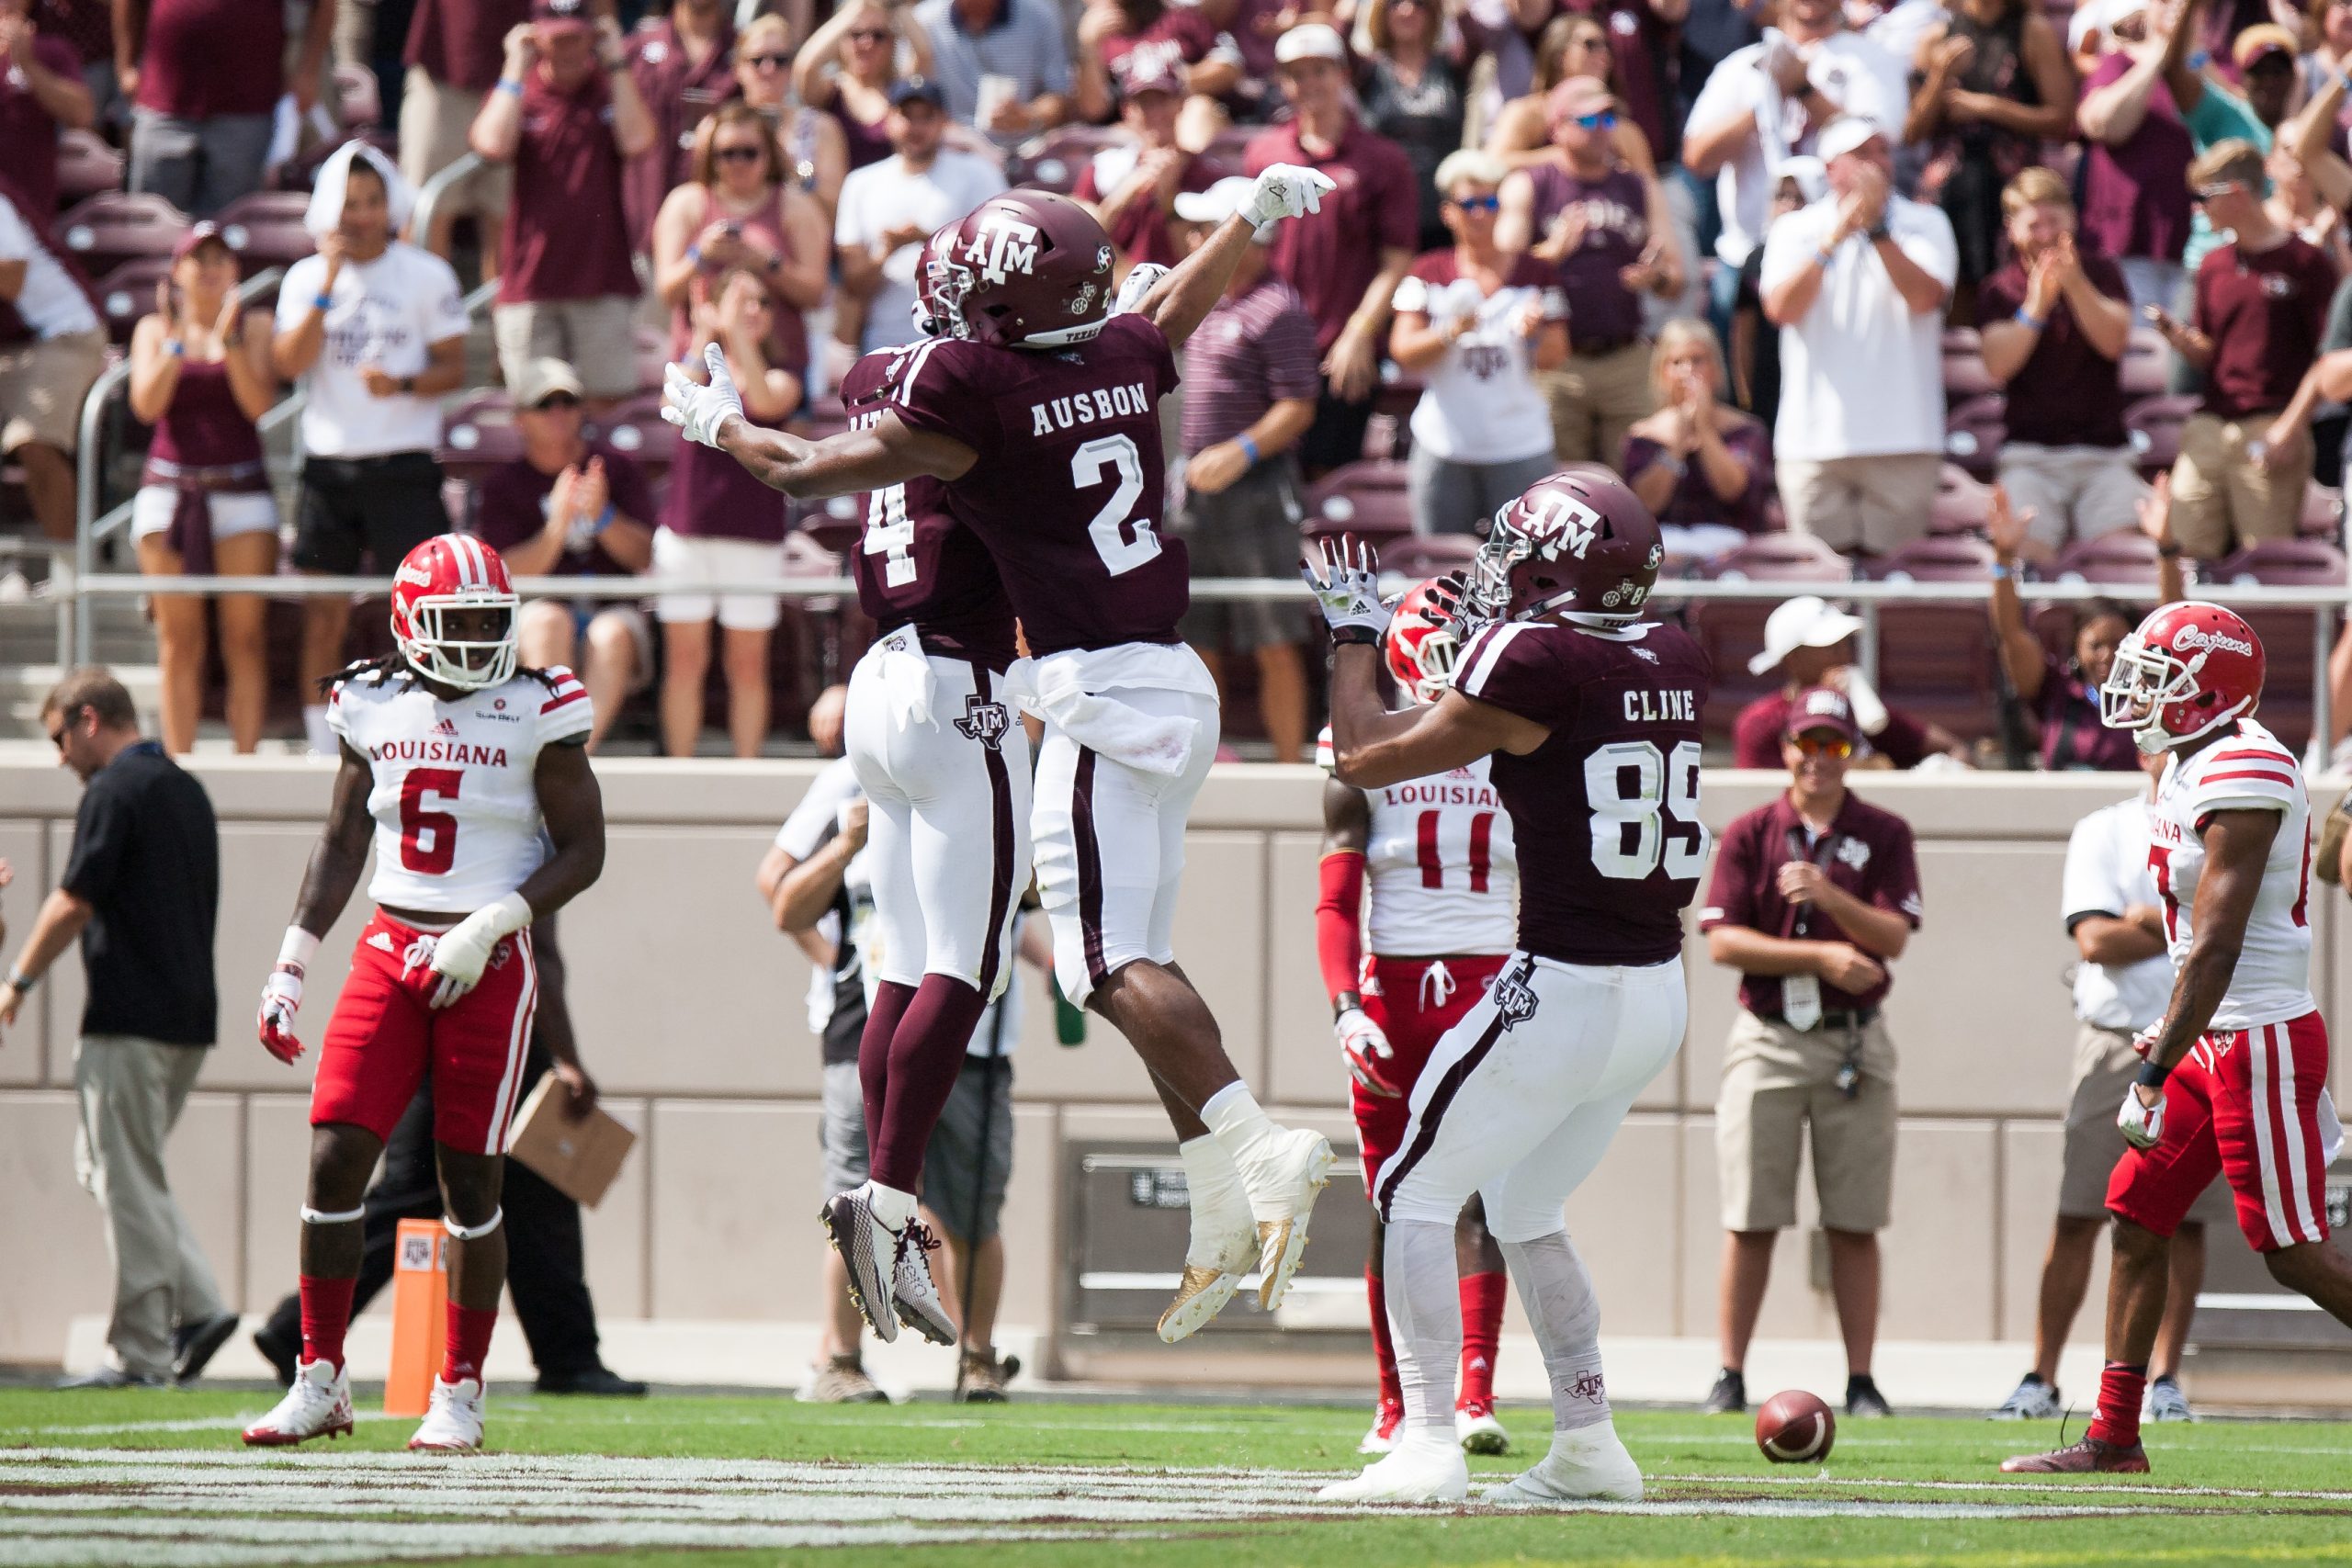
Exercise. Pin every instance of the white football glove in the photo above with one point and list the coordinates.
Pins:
(2143, 1126)
(700, 410)
(1286, 190)
(281, 998)
(1367, 1052)
(1347, 587)
(1141, 279)
(463, 952)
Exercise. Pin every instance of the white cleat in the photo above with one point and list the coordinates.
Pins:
(912, 1292)
(318, 1405)
(1294, 1177)
(869, 1249)
(1477, 1430)
(1419, 1470)
(1202, 1293)
(453, 1421)
(1584, 1465)
(1382, 1439)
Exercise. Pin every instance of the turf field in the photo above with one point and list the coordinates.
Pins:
(138, 1478)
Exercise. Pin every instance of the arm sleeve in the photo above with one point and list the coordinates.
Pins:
(1413, 292)
(102, 828)
(1339, 922)
(932, 395)
(1898, 880)
(565, 713)
(339, 713)
(1729, 91)
(1730, 891)
(1502, 666)
(2241, 778)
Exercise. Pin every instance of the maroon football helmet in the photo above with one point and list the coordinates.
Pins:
(1576, 541)
(1028, 269)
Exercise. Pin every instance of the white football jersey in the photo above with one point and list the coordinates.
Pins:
(1443, 873)
(2249, 771)
(456, 798)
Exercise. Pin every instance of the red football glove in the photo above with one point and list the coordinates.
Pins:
(281, 998)
(1368, 1053)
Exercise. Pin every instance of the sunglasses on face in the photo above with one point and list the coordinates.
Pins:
(768, 61)
(555, 402)
(1479, 203)
(738, 154)
(1604, 120)
(870, 35)
(1835, 746)
(56, 737)
(2211, 193)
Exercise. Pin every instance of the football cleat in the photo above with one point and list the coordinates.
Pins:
(1863, 1399)
(2164, 1402)
(912, 1292)
(317, 1405)
(2034, 1401)
(1422, 1469)
(1588, 1464)
(1382, 1439)
(870, 1250)
(1205, 1289)
(2089, 1457)
(453, 1421)
(1728, 1397)
(1475, 1427)
(1293, 1177)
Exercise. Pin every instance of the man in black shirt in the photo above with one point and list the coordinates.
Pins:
(142, 890)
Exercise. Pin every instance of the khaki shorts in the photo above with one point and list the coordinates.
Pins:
(1779, 1081)
(2068, 493)
(2105, 1064)
(435, 118)
(2223, 500)
(1879, 504)
(1595, 398)
(42, 384)
(593, 337)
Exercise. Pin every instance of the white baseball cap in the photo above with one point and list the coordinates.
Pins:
(1310, 41)
(1844, 134)
(1806, 621)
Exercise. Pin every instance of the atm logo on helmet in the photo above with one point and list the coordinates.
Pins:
(1003, 246)
(1563, 519)
(2198, 636)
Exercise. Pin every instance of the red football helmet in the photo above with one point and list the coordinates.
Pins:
(2190, 668)
(1578, 541)
(1424, 637)
(1028, 269)
(449, 575)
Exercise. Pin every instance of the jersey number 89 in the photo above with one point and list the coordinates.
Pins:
(1646, 810)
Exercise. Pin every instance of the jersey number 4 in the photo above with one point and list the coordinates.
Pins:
(890, 532)
(428, 838)
(1646, 810)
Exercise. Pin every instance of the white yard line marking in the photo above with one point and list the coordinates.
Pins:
(2023, 1484)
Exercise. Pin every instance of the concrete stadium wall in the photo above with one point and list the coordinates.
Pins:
(690, 1009)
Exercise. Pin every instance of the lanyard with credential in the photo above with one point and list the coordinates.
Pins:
(1849, 1077)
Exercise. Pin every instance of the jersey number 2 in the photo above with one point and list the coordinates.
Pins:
(428, 838)
(1659, 814)
(1109, 529)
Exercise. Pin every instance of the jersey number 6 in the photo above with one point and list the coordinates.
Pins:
(428, 838)
(1640, 795)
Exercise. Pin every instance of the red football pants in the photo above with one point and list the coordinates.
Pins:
(1414, 1002)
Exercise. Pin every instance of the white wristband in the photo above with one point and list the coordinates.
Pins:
(298, 948)
(512, 913)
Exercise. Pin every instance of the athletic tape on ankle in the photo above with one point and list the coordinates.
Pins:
(477, 1232)
(317, 1217)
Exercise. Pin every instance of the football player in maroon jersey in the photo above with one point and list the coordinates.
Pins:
(1029, 377)
(1590, 716)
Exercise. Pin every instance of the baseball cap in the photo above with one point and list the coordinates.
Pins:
(1842, 135)
(2260, 39)
(1822, 707)
(915, 89)
(1147, 70)
(561, 14)
(196, 236)
(1310, 41)
(540, 379)
(1577, 95)
(1806, 621)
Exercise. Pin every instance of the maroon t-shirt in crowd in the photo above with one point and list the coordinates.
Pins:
(1247, 355)
(462, 43)
(2135, 199)
(1181, 36)
(1757, 733)
(1867, 852)
(565, 239)
(2071, 736)
(1602, 312)
(680, 94)
(1141, 233)
(1693, 499)
(212, 57)
(1069, 492)
(712, 496)
(1608, 878)
(915, 563)
(28, 131)
(2067, 393)
(1332, 255)
(2266, 311)
(511, 510)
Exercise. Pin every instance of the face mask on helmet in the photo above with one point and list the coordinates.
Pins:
(464, 641)
(2144, 688)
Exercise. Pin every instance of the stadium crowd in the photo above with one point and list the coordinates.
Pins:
(1927, 291)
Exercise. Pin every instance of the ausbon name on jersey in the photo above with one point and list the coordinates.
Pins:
(455, 795)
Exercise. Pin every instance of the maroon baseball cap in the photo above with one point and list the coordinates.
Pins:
(561, 14)
(1147, 70)
(197, 236)
(1819, 708)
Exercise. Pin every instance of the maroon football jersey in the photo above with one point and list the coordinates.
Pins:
(914, 562)
(1070, 486)
(1615, 787)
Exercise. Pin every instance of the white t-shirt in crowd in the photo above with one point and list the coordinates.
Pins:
(50, 303)
(888, 194)
(387, 312)
(2107, 872)
(1480, 403)
(1862, 375)
(1859, 75)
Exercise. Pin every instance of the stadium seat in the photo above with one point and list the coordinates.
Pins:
(2124, 559)
(113, 227)
(479, 435)
(1433, 555)
(1366, 498)
(636, 429)
(1399, 390)
(835, 524)
(1936, 660)
(85, 167)
(1731, 631)
(359, 100)
(128, 292)
(1780, 558)
(2291, 640)
(1973, 430)
(2154, 425)
(1054, 161)
(2322, 515)
(264, 228)
(1952, 560)
(2147, 363)
(2284, 563)
(1964, 372)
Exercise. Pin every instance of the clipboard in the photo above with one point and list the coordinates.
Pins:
(578, 1158)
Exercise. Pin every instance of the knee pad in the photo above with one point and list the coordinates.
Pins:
(475, 1233)
(318, 1217)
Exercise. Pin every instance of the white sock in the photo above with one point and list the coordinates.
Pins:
(315, 727)
(890, 1206)
(1424, 1291)
(1556, 1290)
(1220, 1205)
(1245, 1132)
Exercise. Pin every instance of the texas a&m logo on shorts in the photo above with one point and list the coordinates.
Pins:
(1514, 997)
(984, 721)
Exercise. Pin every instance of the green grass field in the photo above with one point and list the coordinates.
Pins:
(158, 1479)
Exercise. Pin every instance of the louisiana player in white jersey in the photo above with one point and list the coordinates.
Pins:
(464, 770)
(1404, 966)
(2236, 1074)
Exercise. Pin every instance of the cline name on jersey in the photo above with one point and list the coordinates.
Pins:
(1663, 705)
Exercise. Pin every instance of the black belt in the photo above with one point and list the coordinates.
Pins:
(1860, 1018)
(1591, 347)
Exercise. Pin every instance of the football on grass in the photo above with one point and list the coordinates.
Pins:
(1795, 1428)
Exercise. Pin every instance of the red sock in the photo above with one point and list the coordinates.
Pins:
(326, 1314)
(468, 1342)
(2120, 1388)
(1383, 1349)
(1482, 1326)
